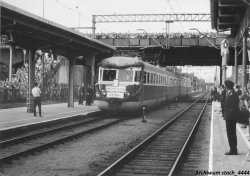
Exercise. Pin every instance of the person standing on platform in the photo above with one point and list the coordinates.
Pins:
(237, 90)
(36, 92)
(244, 98)
(89, 95)
(231, 114)
(81, 93)
(223, 95)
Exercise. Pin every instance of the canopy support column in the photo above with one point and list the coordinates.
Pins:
(71, 82)
(235, 66)
(244, 60)
(31, 80)
(90, 62)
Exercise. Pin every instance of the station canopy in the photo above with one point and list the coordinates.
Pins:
(24, 29)
(226, 15)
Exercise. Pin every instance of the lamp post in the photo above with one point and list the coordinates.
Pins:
(167, 33)
(150, 36)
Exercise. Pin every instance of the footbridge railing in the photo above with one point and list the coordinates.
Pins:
(173, 42)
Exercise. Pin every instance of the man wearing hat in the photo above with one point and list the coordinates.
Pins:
(231, 113)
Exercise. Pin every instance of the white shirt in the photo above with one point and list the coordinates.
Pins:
(36, 92)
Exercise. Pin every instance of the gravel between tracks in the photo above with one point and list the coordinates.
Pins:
(90, 154)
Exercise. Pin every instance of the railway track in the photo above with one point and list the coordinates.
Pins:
(161, 153)
(30, 143)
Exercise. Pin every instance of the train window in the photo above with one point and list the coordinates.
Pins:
(148, 78)
(145, 78)
(109, 75)
(154, 79)
(137, 76)
(125, 75)
(100, 74)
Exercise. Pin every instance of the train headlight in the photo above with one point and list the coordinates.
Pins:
(97, 94)
(126, 94)
(103, 92)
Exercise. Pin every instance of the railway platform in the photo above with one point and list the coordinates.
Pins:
(18, 117)
(219, 163)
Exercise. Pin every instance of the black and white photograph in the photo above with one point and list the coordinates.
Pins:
(125, 88)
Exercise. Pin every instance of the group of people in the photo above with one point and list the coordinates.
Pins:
(143, 35)
(82, 94)
(88, 94)
(233, 102)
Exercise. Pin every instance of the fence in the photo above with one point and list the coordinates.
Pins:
(58, 94)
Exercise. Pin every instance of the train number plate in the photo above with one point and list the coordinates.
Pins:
(115, 95)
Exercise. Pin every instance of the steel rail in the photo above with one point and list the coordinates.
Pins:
(58, 141)
(143, 144)
(39, 133)
(187, 142)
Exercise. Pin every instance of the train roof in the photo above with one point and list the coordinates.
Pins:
(120, 62)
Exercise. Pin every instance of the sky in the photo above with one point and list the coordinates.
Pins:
(68, 13)
(207, 73)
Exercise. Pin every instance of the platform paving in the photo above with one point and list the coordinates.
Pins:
(15, 117)
(219, 163)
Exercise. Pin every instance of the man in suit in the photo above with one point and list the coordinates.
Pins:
(223, 99)
(230, 116)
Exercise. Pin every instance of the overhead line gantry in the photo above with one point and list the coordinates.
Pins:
(119, 18)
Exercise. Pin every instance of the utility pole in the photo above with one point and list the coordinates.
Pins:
(167, 33)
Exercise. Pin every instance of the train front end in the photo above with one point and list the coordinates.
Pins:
(119, 84)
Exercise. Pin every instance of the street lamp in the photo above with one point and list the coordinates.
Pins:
(205, 37)
(150, 36)
(167, 33)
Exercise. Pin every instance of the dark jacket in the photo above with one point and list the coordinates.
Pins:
(223, 95)
(239, 92)
(232, 110)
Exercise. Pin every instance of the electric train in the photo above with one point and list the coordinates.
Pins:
(128, 84)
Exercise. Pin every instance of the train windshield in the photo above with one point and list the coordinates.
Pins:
(122, 75)
(109, 75)
(125, 75)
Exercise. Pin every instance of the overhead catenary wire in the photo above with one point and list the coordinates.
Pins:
(72, 9)
(246, 2)
(75, 11)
